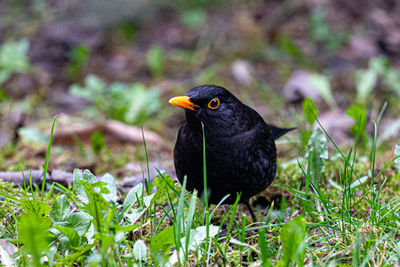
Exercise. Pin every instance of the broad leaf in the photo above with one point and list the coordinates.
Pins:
(293, 237)
(126, 228)
(358, 182)
(310, 110)
(322, 84)
(135, 214)
(80, 221)
(60, 210)
(147, 200)
(133, 195)
(197, 237)
(71, 234)
(140, 250)
(365, 82)
(111, 196)
(162, 241)
(78, 187)
(13, 56)
(317, 144)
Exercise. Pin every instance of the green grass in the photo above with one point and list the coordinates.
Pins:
(337, 207)
(342, 210)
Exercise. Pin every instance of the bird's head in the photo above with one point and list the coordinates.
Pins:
(216, 107)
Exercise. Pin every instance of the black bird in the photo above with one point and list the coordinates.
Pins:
(240, 147)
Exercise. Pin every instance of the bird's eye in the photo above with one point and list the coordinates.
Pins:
(213, 104)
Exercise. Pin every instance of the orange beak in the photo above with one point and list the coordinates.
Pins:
(183, 102)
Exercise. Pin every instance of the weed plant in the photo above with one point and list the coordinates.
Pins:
(346, 219)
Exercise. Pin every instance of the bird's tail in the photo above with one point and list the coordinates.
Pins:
(278, 132)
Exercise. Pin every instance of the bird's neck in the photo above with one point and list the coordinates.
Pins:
(217, 128)
(193, 122)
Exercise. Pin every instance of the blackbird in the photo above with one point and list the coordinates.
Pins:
(240, 147)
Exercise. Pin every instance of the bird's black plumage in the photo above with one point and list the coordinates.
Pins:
(240, 147)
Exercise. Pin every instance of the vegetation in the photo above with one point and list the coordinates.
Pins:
(130, 103)
(335, 199)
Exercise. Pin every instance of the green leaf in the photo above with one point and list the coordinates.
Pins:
(3, 95)
(32, 135)
(4, 75)
(126, 228)
(318, 27)
(359, 114)
(317, 144)
(135, 214)
(310, 110)
(322, 34)
(162, 241)
(322, 84)
(140, 250)
(198, 235)
(97, 207)
(142, 102)
(163, 184)
(155, 60)
(111, 196)
(78, 186)
(94, 259)
(34, 207)
(97, 142)
(189, 221)
(357, 250)
(33, 234)
(365, 82)
(391, 79)
(305, 136)
(358, 182)
(133, 195)
(80, 221)
(94, 87)
(288, 46)
(194, 18)
(147, 200)
(89, 177)
(63, 242)
(13, 56)
(80, 255)
(397, 161)
(266, 253)
(60, 209)
(130, 103)
(95, 203)
(293, 242)
(379, 64)
(78, 60)
(335, 185)
(71, 234)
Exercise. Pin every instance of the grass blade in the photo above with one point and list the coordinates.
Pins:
(46, 163)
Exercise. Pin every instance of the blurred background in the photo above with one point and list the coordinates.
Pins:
(108, 68)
